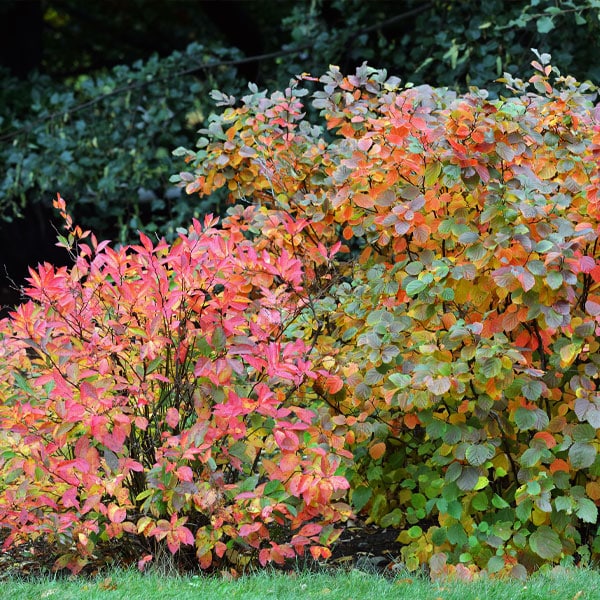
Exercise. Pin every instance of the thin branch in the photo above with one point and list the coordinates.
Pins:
(395, 19)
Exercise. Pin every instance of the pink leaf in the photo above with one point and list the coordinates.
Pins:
(172, 417)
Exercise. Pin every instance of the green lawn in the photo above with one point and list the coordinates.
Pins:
(353, 585)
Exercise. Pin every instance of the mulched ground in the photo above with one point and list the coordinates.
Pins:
(361, 546)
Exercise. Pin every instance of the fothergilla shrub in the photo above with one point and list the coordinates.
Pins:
(152, 391)
(463, 320)
(405, 301)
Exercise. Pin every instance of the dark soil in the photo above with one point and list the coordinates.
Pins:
(361, 546)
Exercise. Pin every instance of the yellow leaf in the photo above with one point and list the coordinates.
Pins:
(548, 171)
(481, 483)
(539, 517)
(143, 524)
(568, 354)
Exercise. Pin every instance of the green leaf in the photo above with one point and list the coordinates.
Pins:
(349, 334)
(536, 267)
(218, 339)
(584, 433)
(439, 536)
(491, 367)
(453, 471)
(415, 287)
(432, 173)
(495, 564)
(582, 455)
(477, 454)
(545, 543)
(553, 319)
(530, 457)
(22, 383)
(414, 268)
(468, 478)
(418, 500)
(525, 419)
(563, 503)
(544, 24)
(554, 279)
(499, 502)
(587, 510)
(532, 390)
(13, 475)
(543, 246)
(392, 519)
(375, 316)
(399, 380)
(273, 486)
(455, 509)
(415, 532)
(239, 449)
(456, 534)
(503, 529)
(476, 252)
(523, 510)
(360, 496)
(249, 484)
(480, 501)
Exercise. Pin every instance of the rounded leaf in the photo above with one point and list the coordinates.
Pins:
(544, 541)
(582, 455)
(477, 454)
(377, 450)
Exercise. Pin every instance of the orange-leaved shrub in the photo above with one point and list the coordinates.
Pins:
(462, 312)
(152, 392)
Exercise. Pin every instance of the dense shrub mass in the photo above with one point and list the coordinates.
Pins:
(404, 302)
(151, 390)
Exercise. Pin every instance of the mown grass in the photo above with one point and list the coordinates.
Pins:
(559, 584)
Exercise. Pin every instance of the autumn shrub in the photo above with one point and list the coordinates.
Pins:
(151, 392)
(462, 312)
(404, 301)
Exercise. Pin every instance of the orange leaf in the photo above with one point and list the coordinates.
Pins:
(376, 451)
(334, 384)
(363, 200)
(411, 420)
(559, 465)
(547, 437)
(593, 490)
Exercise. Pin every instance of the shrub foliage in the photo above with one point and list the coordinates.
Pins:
(404, 303)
